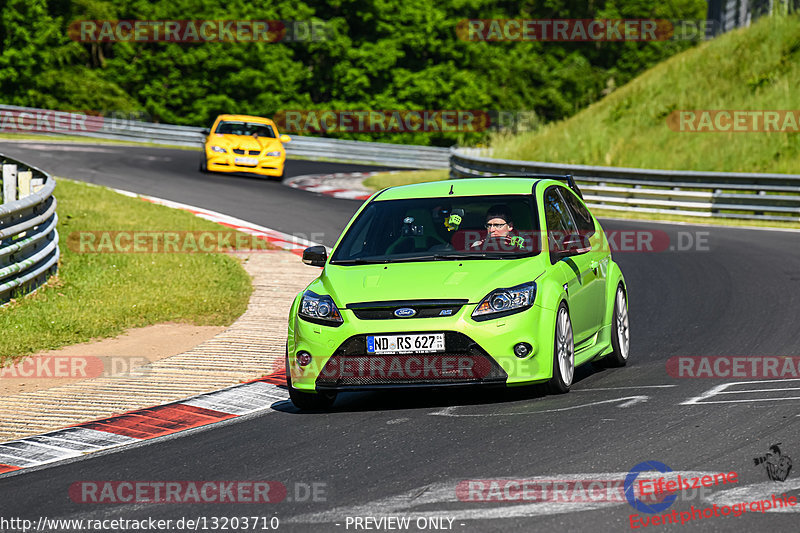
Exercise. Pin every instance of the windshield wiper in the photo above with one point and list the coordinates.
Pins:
(360, 261)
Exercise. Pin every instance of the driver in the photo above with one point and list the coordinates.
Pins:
(499, 226)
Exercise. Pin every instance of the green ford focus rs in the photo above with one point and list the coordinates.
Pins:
(494, 281)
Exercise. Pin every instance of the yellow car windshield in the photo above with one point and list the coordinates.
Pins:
(245, 128)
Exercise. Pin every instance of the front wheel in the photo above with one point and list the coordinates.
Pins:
(311, 401)
(563, 353)
(620, 333)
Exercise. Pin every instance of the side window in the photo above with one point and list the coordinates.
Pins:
(583, 219)
(556, 214)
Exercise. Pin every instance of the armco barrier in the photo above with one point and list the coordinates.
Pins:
(28, 236)
(771, 197)
(29, 120)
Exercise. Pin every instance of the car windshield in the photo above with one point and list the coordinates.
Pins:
(433, 229)
(245, 128)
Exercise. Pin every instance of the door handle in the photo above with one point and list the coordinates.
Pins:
(593, 265)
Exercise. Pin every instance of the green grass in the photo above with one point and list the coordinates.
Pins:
(101, 295)
(404, 177)
(87, 140)
(756, 68)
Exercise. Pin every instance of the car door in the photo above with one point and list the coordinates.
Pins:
(577, 269)
(597, 257)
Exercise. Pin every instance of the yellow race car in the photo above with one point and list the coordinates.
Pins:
(242, 143)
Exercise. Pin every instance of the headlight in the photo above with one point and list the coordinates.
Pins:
(504, 302)
(219, 149)
(319, 309)
(273, 154)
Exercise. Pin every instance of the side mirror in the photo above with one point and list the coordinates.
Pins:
(576, 245)
(206, 131)
(572, 245)
(285, 138)
(315, 256)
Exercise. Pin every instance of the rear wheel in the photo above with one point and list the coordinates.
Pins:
(620, 334)
(563, 353)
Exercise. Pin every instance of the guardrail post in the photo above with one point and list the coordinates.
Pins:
(24, 181)
(9, 183)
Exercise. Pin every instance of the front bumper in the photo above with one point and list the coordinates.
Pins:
(266, 166)
(476, 353)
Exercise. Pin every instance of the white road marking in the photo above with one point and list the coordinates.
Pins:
(628, 401)
(241, 400)
(625, 388)
(444, 497)
(721, 389)
(757, 491)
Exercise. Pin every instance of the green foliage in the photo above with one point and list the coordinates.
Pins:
(380, 54)
(757, 68)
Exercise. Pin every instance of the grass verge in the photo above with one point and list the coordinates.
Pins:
(755, 68)
(98, 295)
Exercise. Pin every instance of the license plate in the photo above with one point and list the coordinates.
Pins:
(252, 161)
(422, 343)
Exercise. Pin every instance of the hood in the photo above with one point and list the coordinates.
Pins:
(247, 142)
(467, 279)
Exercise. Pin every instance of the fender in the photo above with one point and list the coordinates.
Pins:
(614, 278)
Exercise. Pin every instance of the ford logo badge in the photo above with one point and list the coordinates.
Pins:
(404, 312)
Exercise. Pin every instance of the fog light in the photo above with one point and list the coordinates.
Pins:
(522, 349)
(303, 358)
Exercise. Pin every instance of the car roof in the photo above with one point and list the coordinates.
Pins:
(463, 187)
(246, 118)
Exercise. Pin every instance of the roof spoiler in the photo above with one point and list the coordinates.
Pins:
(567, 178)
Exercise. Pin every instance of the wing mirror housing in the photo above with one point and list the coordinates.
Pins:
(572, 245)
(315, 256)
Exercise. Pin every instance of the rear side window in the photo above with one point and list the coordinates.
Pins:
(583, 219)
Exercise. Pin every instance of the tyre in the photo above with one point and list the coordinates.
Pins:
(203, 166)
(620, 333)
(563, 353)
(308, 401)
